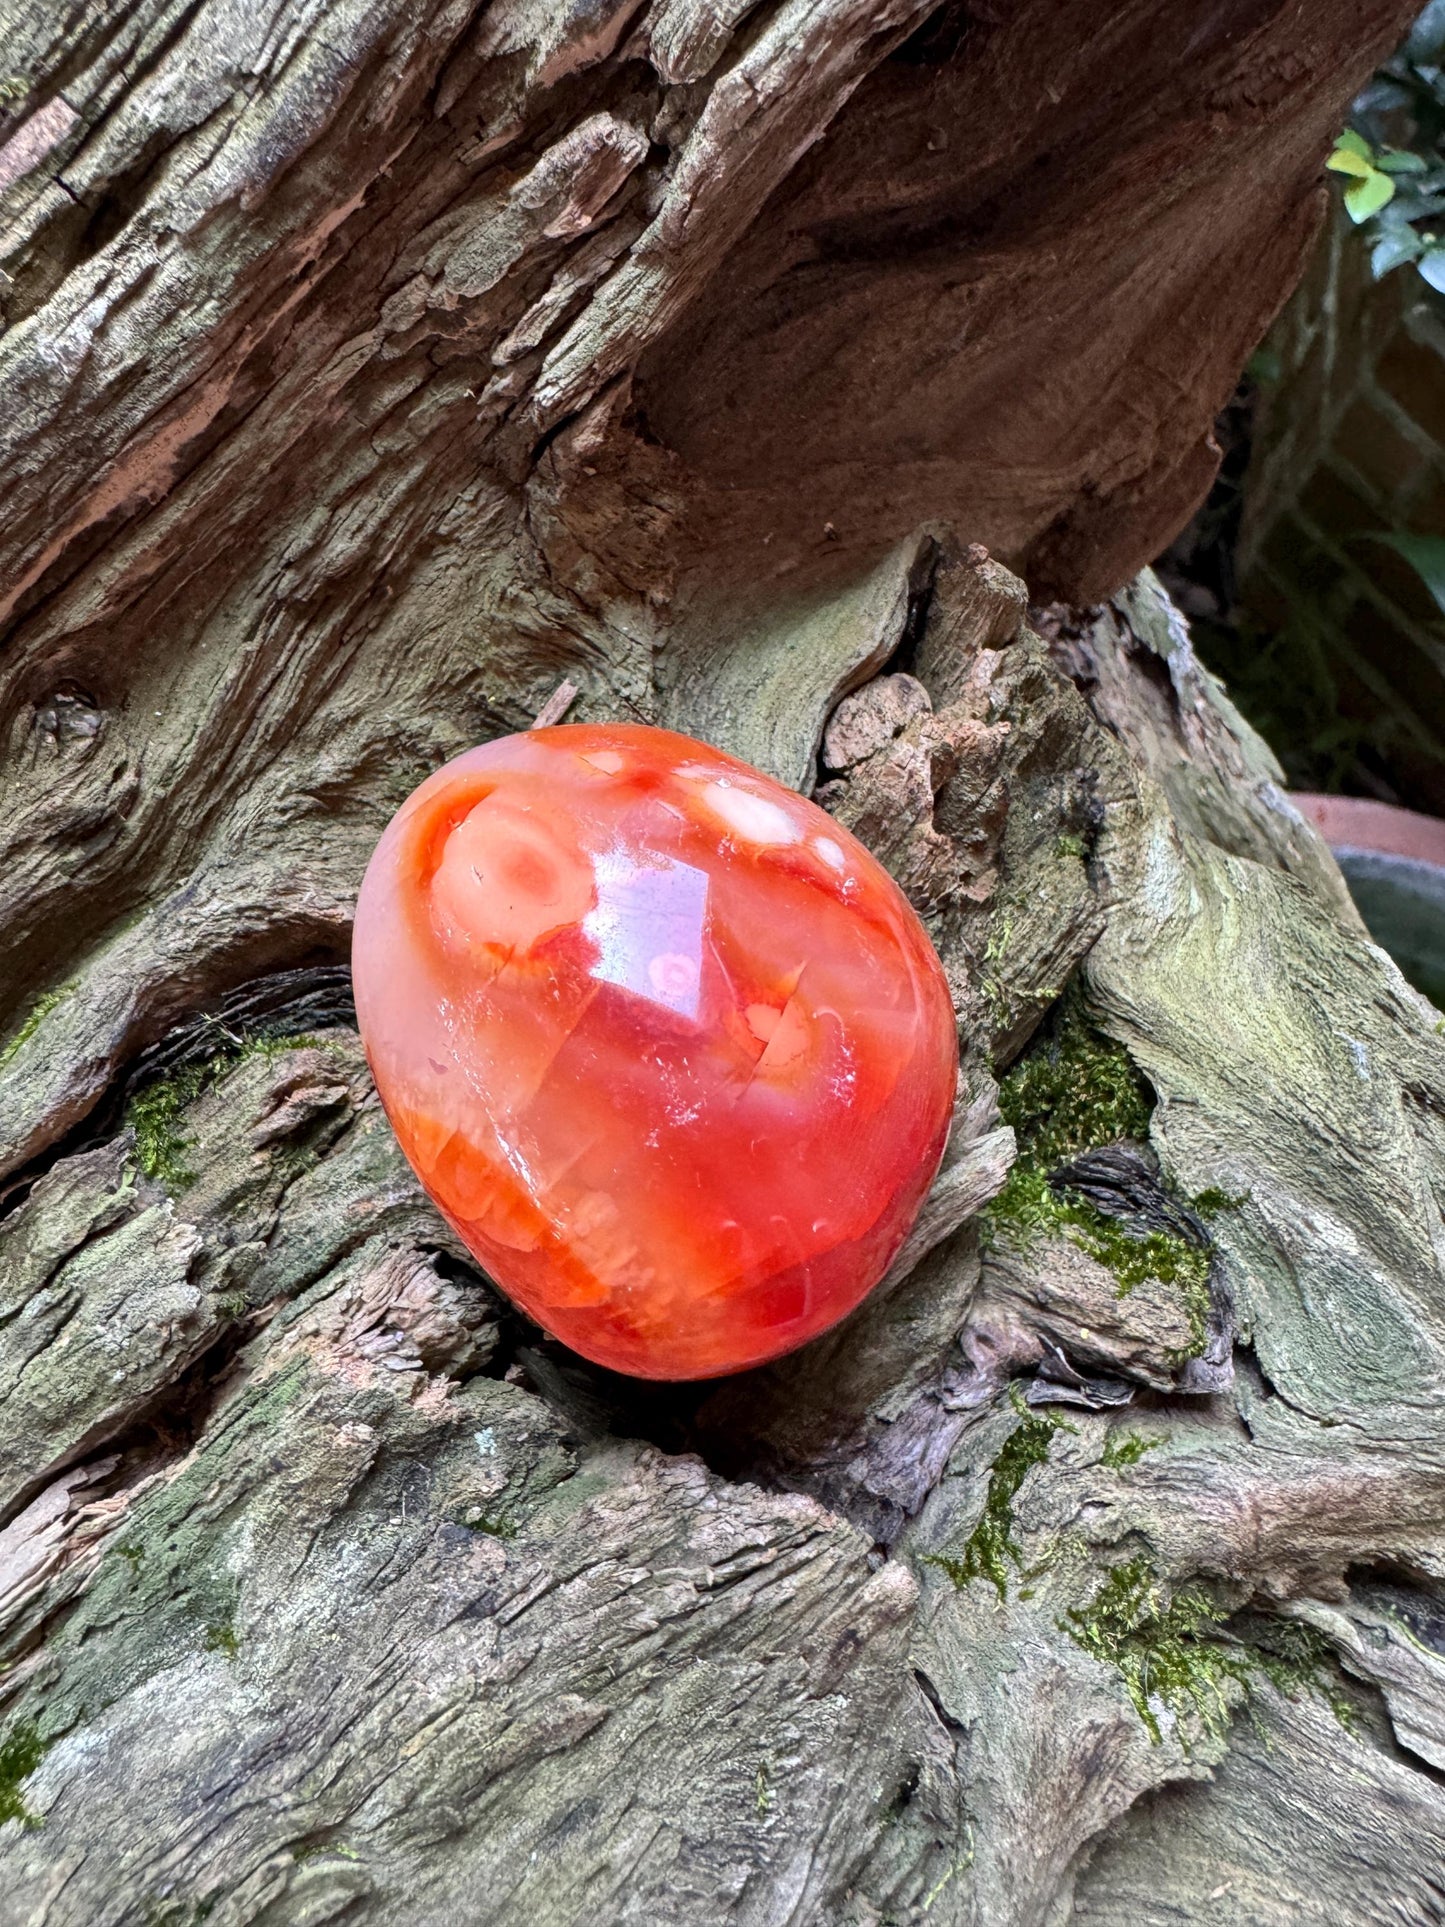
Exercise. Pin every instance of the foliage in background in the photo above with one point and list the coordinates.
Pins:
(1392, 155)
(1295, 672)
(1426, 556)
(1283, 679)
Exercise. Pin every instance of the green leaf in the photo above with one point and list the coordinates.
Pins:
(1264, 366)
(1424, 553)
(1344, 160)
(1349, 142)
(1411, 204)
(1394, 247)
(1427, 37)
(1399, 160)
(1367, 197)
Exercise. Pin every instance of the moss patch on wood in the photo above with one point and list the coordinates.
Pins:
(154, 1114)
(499, 1525)
(38, 1014)
(1133, 1260)
(1126, 1448)
(990, 1546)
(1078, 1092)
(179, 1913)
(1175, 1651)
(21, 1751)
(222, 1637)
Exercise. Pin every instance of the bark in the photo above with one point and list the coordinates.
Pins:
(367, 370)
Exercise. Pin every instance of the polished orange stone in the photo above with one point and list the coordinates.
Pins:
(665, 1044)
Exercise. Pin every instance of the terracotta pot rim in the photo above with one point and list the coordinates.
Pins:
(1360, 823)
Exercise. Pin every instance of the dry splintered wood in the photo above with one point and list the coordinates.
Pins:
(556, 706)
(370, 378)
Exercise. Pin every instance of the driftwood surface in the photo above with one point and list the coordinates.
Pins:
(366, 369)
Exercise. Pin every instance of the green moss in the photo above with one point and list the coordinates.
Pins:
(1078, 1092)
(1209, 1202)
(1126, 1448)
(21, 1751)
(990, 1546)
(1000, 931)
(154, 1114)
(995, 996)
(184, 1582)
(268, 1044)
(949, 1874)
(1172, 1260)
(232, 1304)
(1075, 1093)
(996, 1003)
(310, 1849)
(179, 1913)
(1025, 1207)
(1177, 1652)
(1163, 1650)
(1297, 1658)
(222, 1637)
(1071, 845)
(38, 1014)
(499, 1526)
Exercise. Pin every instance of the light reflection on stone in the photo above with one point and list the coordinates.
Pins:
(648, 926)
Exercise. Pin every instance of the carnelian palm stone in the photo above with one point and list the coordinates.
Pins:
(666, 1045)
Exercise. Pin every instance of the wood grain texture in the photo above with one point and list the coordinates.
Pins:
(367, 371)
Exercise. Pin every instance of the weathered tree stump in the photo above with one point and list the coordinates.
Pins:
(368, 370)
